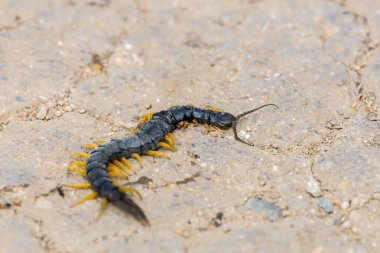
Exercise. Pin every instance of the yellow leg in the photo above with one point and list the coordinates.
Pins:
(130, 190)
(112, 166)
(128, 164)
(183, 124)
(138, 158)
(114, 171)
(79, 186)
(156, 153)
(90, 145)
(79, 164)
(118, 174)
(166, 145)
(144, 119)
(78, 170)
(195, 122)
(120, 165)
(170, 139)
(80, 154)
(210, 128)
(86, 198)
(214, 108)
(133, 132)
(102, 208)
(99, 142)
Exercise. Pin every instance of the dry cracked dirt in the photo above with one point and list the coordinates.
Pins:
(72, 72)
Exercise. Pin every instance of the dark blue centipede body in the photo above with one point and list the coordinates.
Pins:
(202, 116)
(148, 138)
(181, 113)
(130, 145)
(166, 116)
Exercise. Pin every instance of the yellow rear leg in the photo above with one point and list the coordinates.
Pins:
(88, 197)
(156, 153)
(128, 164)
(79, 164)
(114, 171)
(80, 154)
(138, 158)
(102, 208)
(100, 142)
(78, 170)
(170, 139)
(167, 145)
(121, 165)
(78, 186)
(130, 190)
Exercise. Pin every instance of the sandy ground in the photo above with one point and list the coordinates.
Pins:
(72, 73)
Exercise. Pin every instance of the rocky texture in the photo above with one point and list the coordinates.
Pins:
(72, 72)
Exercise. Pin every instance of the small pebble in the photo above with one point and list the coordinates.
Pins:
(313, 189)
(58, 113)
(264, 207)
(81, 110)
(41, 112)
(263, 179)
(19, 99)
(68, 108)
(43, 99)
(345, 204)
(218, 219)
(326, 206)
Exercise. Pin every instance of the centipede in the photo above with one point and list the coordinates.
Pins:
(107, 162)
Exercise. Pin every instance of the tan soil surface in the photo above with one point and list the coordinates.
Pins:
(72, 72)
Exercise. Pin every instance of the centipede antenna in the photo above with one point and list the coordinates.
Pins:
(242, 115)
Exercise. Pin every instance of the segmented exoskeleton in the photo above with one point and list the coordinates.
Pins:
(154, 132)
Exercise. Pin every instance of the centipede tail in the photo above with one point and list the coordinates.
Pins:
(105, 160)
(130, 207)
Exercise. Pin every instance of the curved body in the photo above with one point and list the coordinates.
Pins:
(148, 138)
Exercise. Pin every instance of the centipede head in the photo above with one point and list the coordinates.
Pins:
(236, 120)
(225, 120)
